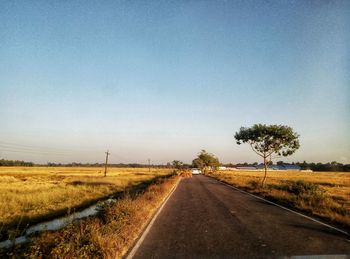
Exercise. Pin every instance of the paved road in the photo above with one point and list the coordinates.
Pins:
(207, 219)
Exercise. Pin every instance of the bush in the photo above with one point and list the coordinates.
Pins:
(254, 184)
(300, 188)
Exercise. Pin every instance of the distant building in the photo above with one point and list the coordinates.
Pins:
(287, 167)
(306, 171)
(291, 167)
(246, 168)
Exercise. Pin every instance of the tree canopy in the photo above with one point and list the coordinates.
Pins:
(206, 161)
(178, 164)
(268, 140)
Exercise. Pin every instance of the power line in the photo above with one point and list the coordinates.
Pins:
(2, 147)
(33, 152)
(9, 148)
(28, 149)
(119, 157)
(17, 146)
(36, 150)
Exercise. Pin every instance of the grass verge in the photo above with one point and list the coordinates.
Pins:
(326, 199)
(110, 234)
(30, 195)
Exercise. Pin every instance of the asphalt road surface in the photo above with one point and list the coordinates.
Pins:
(204, 218)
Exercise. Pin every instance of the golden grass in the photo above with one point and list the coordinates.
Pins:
(109, 235)
(30, 194)
(331, 201)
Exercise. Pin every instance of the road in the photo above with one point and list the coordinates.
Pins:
(204, 218)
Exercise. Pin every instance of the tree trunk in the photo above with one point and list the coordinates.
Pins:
(265, 167)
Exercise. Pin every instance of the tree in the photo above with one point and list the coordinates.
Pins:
(267, 140)
(206, 161)
(198, 163)
(178, 164)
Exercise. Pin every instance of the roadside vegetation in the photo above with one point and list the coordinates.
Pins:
(32, 194)
(268, 141)
(322, 194)
(206, 162)
(110, 234)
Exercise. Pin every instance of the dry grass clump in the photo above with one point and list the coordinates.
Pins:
(322, 194)
(109, 235)
(186, 174)
(32, 194)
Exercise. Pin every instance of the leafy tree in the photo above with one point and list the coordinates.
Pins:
(267, 140)
(206, 161)
(198, 163)
(178, 164)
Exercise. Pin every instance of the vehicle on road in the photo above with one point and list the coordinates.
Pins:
(196, 171)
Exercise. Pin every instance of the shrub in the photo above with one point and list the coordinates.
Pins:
(300, 188)
(254, 184)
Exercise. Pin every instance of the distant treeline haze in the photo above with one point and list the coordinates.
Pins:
(325, 167)
(331, 166)
(5, 162)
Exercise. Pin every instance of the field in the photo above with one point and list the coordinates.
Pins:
(32, 194)
(110, 234)
(322, 194)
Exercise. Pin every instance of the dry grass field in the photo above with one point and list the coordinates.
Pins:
(322, 194)
(110, 234)
(31, 194)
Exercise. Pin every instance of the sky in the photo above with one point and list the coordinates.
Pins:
(162, 80)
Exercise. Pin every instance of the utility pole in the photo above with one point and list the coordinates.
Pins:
(107, 154)
(149, 165)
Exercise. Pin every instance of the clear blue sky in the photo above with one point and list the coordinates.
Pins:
(165, 79)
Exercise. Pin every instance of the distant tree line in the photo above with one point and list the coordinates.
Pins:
(326, 167)
(331, 166)
(119, 165)
(4, 162)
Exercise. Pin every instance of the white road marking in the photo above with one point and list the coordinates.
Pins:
(282, 207)
(144, 234)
